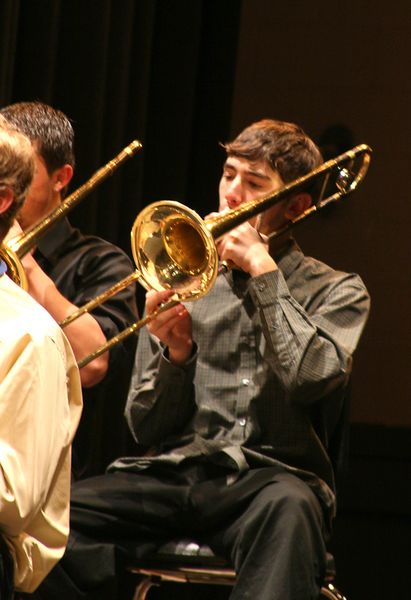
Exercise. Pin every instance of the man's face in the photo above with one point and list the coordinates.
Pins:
(42, 197)
(242, 181)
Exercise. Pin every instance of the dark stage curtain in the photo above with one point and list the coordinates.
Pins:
(161, 71)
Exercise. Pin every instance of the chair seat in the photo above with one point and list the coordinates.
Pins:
(185, 551)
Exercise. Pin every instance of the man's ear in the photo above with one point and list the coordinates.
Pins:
(6, 199)
(297, 205)
(62, 177)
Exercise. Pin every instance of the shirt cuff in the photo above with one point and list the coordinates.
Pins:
(178, 372)
(265, 289)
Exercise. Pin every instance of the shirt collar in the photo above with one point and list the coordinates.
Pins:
(54, 238)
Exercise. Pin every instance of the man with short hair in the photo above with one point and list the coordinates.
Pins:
(40, 406)
(67, 270)
(231, 402)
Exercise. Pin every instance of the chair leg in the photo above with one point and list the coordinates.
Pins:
(144, 587)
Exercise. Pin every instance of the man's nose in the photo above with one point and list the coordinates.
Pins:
(233, 194)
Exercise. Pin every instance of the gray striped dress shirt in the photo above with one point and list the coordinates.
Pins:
(268, 350)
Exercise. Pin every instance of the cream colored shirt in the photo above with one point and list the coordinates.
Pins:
(40, 407)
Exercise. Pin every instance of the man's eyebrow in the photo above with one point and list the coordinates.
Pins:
(257, 174)
(251, 172)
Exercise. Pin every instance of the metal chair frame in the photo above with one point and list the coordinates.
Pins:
(184, 566)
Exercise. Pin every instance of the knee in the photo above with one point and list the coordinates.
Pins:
(285, 520)
(293, 503)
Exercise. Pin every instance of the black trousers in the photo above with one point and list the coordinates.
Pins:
(268, 523)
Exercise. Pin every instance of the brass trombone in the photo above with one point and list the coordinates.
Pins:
(14, 249)
(174, 248)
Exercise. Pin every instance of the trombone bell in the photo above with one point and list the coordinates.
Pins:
(15, 269)
(172, 249)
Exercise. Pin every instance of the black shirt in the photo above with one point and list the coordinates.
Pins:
(83, 266)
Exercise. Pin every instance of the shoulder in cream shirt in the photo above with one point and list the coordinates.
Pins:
(40, 406)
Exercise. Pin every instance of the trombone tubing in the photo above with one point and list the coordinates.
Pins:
(126, 332)
(218, 226)
(86, 308)
(28, 239)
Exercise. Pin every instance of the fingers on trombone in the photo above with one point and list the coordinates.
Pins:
(163, 308)
(167, 321)
(163, 322)
(154, 299)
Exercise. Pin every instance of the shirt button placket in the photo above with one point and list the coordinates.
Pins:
(245, 382)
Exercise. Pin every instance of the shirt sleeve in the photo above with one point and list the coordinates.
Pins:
(310, 349)
(161, 397)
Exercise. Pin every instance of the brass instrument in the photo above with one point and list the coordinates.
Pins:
(13, 250)
(173, 248)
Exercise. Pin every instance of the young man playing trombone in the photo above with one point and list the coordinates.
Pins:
(226, 404)
(66, 270)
